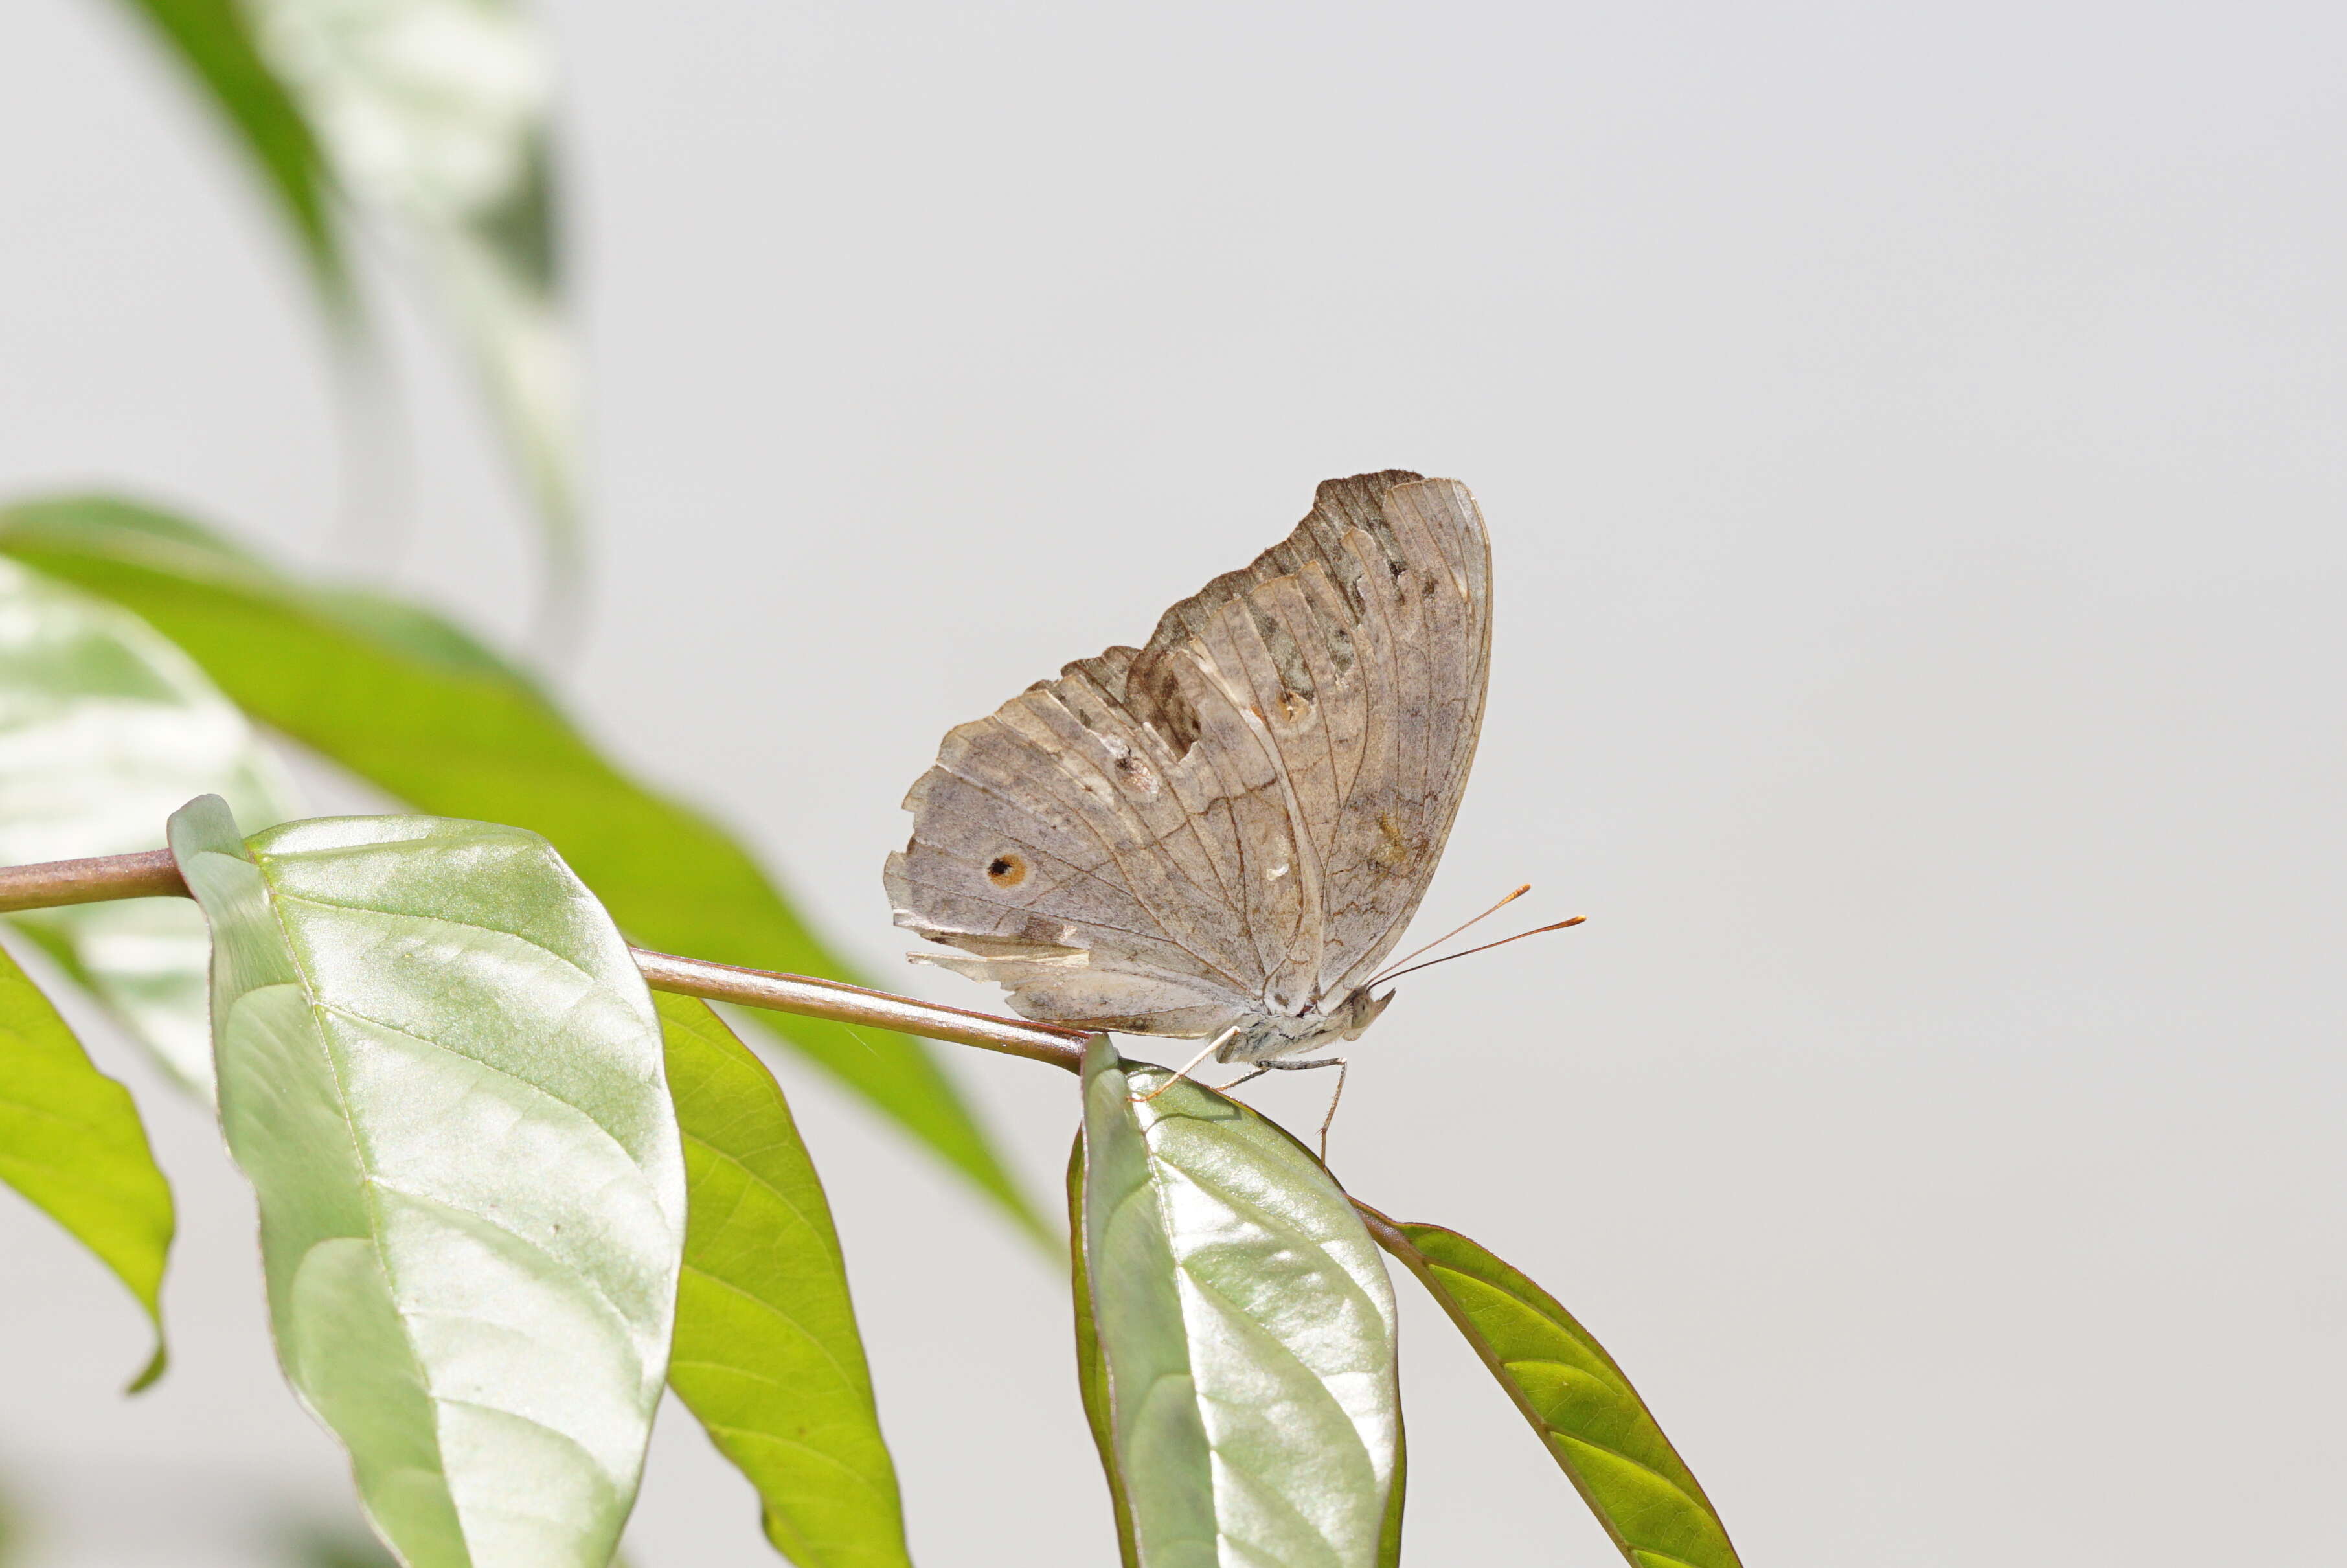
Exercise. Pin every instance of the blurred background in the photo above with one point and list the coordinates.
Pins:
(1911, 437)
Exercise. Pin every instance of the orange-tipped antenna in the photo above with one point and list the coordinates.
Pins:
(1446, 935)
(1486, 947)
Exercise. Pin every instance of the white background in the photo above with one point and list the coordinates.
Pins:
(1911, 441)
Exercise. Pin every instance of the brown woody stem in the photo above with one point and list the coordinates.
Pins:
(844, 1003)
(155, 875)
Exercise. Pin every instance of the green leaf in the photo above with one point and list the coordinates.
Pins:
(71, 1142)
(311, 1547)
(212, 41)
(1596, 1428)
(1241, 1335)
(1091, 1372)
(105, 728)
(435, 116)
(443, 1075)
(409, 703)
(1389, 1542)
(767, 1354)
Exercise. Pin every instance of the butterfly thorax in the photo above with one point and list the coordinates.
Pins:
(1265, 1035)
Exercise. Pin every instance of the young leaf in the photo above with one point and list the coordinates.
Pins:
(71, 1142)
(213, 42)
(444, 1076)
(404, 700)
(767, 1354)
(1596, 1428)
(105, 728)
(433, 114)
(1240, 1335)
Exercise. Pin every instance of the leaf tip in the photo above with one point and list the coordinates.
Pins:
(156, 1365)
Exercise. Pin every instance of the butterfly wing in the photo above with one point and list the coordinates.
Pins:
(1239, 817)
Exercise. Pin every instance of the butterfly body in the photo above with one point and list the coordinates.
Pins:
(1264, 1037)
(1221, 834)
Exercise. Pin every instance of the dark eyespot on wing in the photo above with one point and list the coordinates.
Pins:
(1007, 870)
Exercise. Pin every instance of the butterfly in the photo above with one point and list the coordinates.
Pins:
(1222, 834)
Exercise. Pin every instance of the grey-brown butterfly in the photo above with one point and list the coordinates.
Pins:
(1222, 834)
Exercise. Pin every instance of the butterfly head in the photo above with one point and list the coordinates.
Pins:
(1352, 1017)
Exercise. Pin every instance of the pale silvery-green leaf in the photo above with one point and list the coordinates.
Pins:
(443, 1075)
(105, 728)
(433, 114)
(1240, 1333)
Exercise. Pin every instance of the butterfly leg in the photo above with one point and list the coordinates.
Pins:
(1249, 1076)
(1183, 1072)
(1335, 1061)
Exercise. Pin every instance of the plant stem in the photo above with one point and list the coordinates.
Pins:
(155, 875)
(813, 997)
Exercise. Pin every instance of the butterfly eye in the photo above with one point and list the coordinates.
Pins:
(1007, 870)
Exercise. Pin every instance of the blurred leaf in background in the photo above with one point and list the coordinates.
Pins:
(430, 119)
(416, 707)
(319, 1548)
(312, 1546)
(214, 41)
(105, 729)
(434, 116)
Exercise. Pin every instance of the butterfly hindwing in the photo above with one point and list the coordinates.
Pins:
(1429, 636)
(1239, 817)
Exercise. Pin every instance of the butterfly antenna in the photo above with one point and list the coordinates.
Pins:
(1486, 947)
(1446, 935)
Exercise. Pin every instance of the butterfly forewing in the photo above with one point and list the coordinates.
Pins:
(1238, 818)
